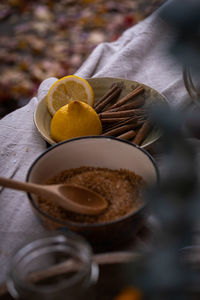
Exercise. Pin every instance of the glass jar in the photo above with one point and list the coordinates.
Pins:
(58, 266)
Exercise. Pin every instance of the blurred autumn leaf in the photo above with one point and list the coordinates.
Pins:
(47, 38)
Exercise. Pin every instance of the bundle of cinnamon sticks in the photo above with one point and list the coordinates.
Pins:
(125, 118)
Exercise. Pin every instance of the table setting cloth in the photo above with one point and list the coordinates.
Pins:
(140, 54)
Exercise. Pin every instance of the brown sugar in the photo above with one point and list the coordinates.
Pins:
(121, 188)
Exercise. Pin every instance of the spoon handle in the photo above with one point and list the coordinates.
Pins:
(22, 186)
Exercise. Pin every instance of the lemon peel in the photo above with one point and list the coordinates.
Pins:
(73, 120)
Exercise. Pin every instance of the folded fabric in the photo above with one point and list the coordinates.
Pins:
(139, 54)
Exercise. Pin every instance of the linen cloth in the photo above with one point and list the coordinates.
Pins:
(140, 54)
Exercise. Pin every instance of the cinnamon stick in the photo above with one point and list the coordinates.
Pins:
(119, 130)
(112, 120)
(142, 133)
(121, 114)
(113, 87)
(127, 135)
(110, 96)
(135, 121)
(132, 94)
(134, 104)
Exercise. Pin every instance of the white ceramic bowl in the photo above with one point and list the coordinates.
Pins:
(96, 151)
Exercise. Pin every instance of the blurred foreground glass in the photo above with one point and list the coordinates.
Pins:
(53, 267)
(192, 84)
(191, 77)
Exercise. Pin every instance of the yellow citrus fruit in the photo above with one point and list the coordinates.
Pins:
(75, 119)
(67, 89)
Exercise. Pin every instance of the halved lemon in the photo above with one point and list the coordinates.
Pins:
(67, 89)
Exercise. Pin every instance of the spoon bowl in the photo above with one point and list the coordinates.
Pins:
(74, 198)
(85, 200)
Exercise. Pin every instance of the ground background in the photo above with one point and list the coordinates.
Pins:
(47, 38)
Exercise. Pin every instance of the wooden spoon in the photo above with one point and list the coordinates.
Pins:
(71, 197)
(70, 265)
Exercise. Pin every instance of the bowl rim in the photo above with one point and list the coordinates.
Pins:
(90, 225)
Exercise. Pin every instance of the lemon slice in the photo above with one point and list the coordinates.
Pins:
(67, 89)
(75, 119)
